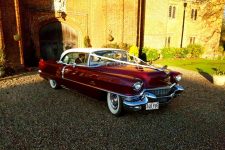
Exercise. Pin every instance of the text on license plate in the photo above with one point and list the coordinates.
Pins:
(152, 106)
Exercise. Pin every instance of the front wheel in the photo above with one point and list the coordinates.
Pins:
(53, 84)
(115, 104)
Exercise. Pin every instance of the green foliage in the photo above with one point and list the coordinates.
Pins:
(151, 53)
(219, 71)
(191, 51)
(168, 52)
(2, 57)
(205, 65)
(181, 52)
(174, 52)
(195, 50)
(134, 51)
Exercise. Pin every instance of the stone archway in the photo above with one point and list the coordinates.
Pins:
(55, 37)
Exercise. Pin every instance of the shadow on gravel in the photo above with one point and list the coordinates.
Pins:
(20, 75)
(34, 116)
(205, 75)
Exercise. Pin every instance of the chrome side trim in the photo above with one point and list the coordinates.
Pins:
(120, 94)
(63, 70)
(102, 89)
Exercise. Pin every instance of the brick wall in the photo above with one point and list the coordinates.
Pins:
(98, 19)
(94, 18)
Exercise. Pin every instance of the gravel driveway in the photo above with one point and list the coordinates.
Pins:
(34, 116)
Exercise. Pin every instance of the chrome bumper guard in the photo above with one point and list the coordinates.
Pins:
(137, 102)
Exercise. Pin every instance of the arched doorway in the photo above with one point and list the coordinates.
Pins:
(55, 37)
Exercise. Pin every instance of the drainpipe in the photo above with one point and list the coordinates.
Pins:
(1, 34)
(18, 28)
(182, 33)
(141, 25)
(123, 24)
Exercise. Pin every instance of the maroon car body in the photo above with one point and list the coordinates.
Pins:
(126, 82)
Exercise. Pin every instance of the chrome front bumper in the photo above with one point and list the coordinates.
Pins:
(137, 102)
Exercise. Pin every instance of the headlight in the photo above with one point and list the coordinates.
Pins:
(178, 78)
(137, 86)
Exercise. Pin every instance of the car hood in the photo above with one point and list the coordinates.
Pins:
(151, 77)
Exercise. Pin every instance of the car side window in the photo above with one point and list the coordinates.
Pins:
(69, 58)
(81, 59)
(76, 57)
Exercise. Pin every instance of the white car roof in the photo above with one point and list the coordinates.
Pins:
(86, 50)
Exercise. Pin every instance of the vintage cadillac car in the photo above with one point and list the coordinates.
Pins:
(127, 81)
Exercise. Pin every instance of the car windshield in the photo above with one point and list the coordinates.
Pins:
(106, 57)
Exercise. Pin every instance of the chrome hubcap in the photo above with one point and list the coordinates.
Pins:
(114, 99)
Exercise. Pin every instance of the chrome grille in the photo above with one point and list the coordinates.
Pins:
(160, 92)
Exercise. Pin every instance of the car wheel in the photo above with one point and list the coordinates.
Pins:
(53, 84)
(115, 104)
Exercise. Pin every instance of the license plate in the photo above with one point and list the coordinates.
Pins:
(152, 106)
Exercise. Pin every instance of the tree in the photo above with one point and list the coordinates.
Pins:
(211, 14)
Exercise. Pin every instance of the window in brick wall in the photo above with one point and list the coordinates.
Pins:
(192, 40)
(194, 14)
(167, 41)
(172, 11)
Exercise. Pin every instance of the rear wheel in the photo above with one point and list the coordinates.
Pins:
(53, 84)
(115, 104)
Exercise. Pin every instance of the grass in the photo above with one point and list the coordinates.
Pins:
(203, 65)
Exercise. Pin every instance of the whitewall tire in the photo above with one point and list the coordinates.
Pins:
(53, 84)
(115, 104)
